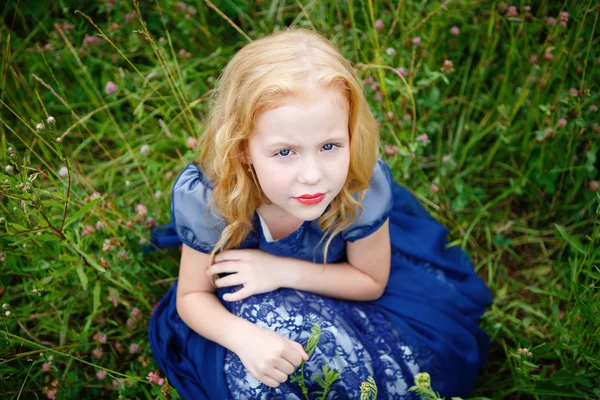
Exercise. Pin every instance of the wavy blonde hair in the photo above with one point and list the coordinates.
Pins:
(256, 79)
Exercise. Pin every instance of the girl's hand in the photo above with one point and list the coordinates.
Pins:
(257, 270)
(268, 356)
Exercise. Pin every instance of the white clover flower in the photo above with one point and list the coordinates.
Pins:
(39, 127)
(9, 169)
(50, 120)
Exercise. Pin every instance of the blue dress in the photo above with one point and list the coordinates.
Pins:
(426, 321)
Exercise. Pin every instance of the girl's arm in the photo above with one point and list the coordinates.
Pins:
(363, 278)
(195, 293)
(268, 356)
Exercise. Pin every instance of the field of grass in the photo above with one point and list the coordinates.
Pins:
(488, 112)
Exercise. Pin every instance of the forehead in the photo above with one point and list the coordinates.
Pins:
(315, 113)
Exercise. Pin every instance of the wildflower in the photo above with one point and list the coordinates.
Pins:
(8, 313)
(113, 27)
(593, 186)
(423, 138)
(5, 306)
(144, 149)
(99, 225)
(87, 230)
(390, 149)
(378, 96)
(183, 53)
(130, 323)
(157, 194)
(122, 255)
(422, 380)
(593, 108)
(130, 16)
(512, 12)
(161, 39)
(50, 120)
(63, 172)
(533, 59)
(118, 383)
(127, 183)
(98, 352)
(445, 159)
(51, 393)
(180, 6)
(100, 337)
(91, 40)
(129, 224)
(48, 47)
(527, 8)
(564, 18)
(551, 21)
(548, 56)
(58, 140)
(407, 117)
(9, 169)
(525, 351)
(435, 188)
(141, 209)
(402, 71)
(169, 175)
(561, 123)
(110, 88)
(46, 367)
(153, 377)
(191, 143)
(94, 196)
(133, 348)
(191, 10)
(379, 25)
(390, 114)
(447, 66)
(107, 246)
(150, 222)
(39, 127)
(455, 31)
(416, 40)
(101, 374)
(574, 92)
(374, 86)
(143, 240)
(390, 51)
(136, 313)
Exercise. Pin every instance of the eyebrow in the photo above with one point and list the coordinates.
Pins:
(289, 144)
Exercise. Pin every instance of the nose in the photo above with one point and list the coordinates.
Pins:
(310, 172)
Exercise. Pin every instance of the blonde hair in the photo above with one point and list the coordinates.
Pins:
(259, 76)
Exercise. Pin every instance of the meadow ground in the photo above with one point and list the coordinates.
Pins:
(488, 112)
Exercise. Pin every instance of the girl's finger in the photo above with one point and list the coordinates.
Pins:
(269, 381)
(277, 375)
(230, 280)
(223, 268)
(285, 366)
(229, 255)
(239, 295)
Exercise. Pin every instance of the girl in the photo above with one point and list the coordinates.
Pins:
(291, 219)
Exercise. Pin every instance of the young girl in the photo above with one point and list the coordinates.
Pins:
(291, 219)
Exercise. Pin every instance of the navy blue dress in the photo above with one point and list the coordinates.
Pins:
(426, 321)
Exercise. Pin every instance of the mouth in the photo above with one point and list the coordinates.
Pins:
(311, 198)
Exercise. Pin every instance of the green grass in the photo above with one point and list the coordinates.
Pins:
(516, 188)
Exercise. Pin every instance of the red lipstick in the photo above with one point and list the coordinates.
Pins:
(311, 198)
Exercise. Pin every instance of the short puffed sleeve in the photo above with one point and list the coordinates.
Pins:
(196, 222)
(376, 203)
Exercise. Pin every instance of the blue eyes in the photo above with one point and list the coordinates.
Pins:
(329, 147)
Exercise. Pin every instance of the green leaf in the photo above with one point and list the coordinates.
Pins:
(82, 211)
(574, 241)
(96, 303)
(82, 276)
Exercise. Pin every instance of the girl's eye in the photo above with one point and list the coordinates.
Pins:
(284, 152)
(330, 146)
